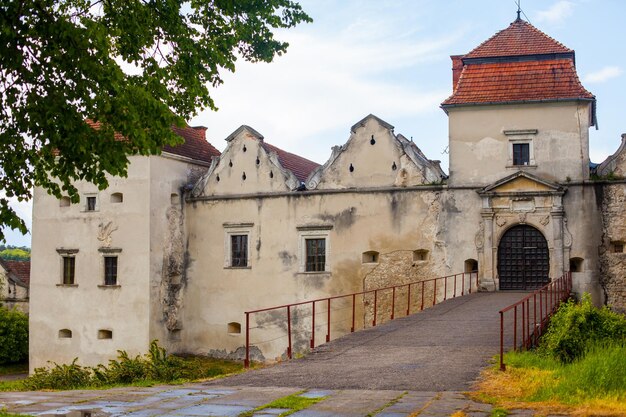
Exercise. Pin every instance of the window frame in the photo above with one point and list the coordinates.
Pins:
(521, 137)
(109, 253)
(231, 230)
(86, 206)
(239, 246)
(110, 270)
(318, 232)
(67, 254)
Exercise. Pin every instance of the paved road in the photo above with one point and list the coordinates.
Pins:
(442, 348)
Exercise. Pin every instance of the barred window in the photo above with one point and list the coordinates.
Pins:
(239, 251)
(315, 255)
(110, 270)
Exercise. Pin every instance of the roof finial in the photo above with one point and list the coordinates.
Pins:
(519, 10)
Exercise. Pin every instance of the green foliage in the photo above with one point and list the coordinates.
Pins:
(60, 66)
(578, 326)
(292, 403)
(154, 367)
(15, 254)
(13, 336)
(63, 376)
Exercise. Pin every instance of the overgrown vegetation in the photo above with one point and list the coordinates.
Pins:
(14, 253)
(154, 367)
(579, 327)
(5, 414)
(292, 403)
(579, 368)
(13, 336)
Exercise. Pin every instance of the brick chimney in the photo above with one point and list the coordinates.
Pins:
(457, 67)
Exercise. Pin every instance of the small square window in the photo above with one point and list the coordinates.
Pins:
(69, 267)
(315, 255)
(110, 270)
(238, 251)
(521, 154)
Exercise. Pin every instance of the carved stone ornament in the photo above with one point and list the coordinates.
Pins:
(104, 233)
(522, 217)
(567, 236)
(545, 220)
(479, 239)
(500, 221)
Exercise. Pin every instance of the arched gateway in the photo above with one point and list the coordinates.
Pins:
(523, 259)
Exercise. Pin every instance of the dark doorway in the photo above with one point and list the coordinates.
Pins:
(523, 259)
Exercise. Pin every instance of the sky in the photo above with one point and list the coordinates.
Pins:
(392, 58)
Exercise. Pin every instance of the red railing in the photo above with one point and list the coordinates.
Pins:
(446, 284)
(536, 310)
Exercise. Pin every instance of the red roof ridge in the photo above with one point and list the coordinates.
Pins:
(519, 38)
(19, 269)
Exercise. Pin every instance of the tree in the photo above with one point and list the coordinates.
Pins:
(136, 67)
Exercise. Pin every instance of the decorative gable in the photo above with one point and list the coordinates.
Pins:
(248, 165)
(374, 156)
(521, 182)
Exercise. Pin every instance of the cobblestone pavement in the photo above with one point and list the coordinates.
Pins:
(202, 400)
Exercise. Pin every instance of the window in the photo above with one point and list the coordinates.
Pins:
(110, 270)
(576, 264)
(105, 334)
(116, 198)
(65, 334)
(420, 255)
(370, 257)
(69, 268)
(471, 265)
(234, 328)
(314, 248)
(238, 251)
(91, 203)
(521, 154)
(315, 255)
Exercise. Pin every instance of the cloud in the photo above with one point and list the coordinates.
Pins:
(603, 75)
(557, 13)
(325, 82)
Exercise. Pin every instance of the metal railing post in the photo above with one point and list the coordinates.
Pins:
(289, 331)
(502, 366)
(328, 323)
(375, 306)
(353, 312)
(246, 362)
(313, 325)
(408, 300)
(393, 302)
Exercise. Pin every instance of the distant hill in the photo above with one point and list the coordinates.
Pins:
(14, 253)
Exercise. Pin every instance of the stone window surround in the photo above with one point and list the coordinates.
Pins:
(520, 137)
(84, 203)
(104, 252)
(321, 231)
(64, 253)
(231, 229)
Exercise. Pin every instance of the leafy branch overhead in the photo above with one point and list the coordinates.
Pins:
(135, 67)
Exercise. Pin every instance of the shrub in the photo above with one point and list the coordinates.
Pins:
(60, 377)
(124, 370)
(13, 336)
(576, 327)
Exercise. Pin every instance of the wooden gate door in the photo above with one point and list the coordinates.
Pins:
(523, 259)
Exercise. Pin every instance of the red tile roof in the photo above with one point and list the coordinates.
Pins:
(520, 38)
(301, 167)
(21, 269)
(553, 79)
(195, 146)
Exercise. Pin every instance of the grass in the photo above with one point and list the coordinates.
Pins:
(292, 403)
(14, 368)
(594, 385)
(5, 414)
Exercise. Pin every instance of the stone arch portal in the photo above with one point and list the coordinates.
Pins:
(523, 259)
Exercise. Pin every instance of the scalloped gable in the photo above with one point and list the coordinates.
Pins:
(248, 165)
(374, 156)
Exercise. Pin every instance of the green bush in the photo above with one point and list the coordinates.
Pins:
(60, 377)
(13, 336)
(577, 327)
